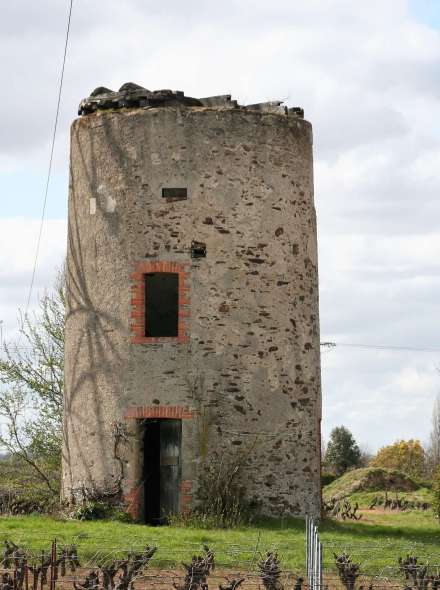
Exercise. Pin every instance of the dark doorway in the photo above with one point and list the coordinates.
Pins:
(161, 304)
(162, 467)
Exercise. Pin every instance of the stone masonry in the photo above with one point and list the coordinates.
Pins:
(243, 374)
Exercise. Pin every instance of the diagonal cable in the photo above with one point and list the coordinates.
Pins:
(43, 213)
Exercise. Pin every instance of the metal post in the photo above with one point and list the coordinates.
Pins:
(309, 572)
(311, 559)
(307, 546)
(315, 559)
(314, 555)
(320, 565)
(318, 573)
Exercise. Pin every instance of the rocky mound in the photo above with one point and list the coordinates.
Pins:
(369, 479)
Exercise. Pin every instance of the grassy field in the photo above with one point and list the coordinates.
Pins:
(376, 541)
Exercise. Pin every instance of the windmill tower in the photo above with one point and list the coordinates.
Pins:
(192, 330)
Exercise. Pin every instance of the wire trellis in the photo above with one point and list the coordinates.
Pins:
(138, 567)
(88, 561)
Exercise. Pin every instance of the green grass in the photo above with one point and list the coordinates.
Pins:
(380, 537)
(99, 539)
(376, 541)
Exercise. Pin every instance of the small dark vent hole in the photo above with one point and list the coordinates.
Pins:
(175, 194)
(198, 250)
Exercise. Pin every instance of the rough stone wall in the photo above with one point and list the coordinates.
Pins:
(248, 374)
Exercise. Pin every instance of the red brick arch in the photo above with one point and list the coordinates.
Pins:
(139, 412)
(138, 300)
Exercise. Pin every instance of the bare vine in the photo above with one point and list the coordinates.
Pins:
(120, 437)
(203, 412)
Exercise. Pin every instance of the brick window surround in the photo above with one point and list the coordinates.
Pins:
(138, 300)
(176, 412)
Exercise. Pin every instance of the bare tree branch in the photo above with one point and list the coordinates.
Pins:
(31, 399)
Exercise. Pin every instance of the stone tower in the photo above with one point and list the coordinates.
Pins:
(192, 332)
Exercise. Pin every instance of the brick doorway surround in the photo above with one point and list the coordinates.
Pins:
(134, 497)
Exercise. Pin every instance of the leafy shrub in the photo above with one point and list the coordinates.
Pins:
(92, 510)
(15, 501)
(121, 515)
(327, 478)
(407, 456)
(100, 509)
(423, 483)
(220, 495)
(436, 494)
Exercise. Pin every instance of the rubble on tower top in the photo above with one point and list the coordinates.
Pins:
(132, 95)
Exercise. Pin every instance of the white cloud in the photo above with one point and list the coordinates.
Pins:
(368, 77)
(18, 239)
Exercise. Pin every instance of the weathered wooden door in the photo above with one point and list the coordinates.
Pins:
(162, 469)
(170, 466)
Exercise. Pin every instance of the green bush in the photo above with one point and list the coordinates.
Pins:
(436, 494)
(92, 510)
(221, 501)
(15, 501)
(423, 483)
(327, 478)
(121, 515)
(101, 509)
(220, 496)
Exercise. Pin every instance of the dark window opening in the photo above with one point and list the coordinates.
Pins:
(175, 194)
(162, 305)
(161, 469)
(198, 250)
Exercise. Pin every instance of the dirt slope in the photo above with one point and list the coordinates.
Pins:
(369, 479)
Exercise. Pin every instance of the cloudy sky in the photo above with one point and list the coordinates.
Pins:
(367, 75)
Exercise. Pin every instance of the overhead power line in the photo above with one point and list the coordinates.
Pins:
(331, 345)
(49, 171)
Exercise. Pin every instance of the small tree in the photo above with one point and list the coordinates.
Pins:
(31, 396)
(342, 451)
(436, 494)
(407, 456)
(366, 456)
(433, 450)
